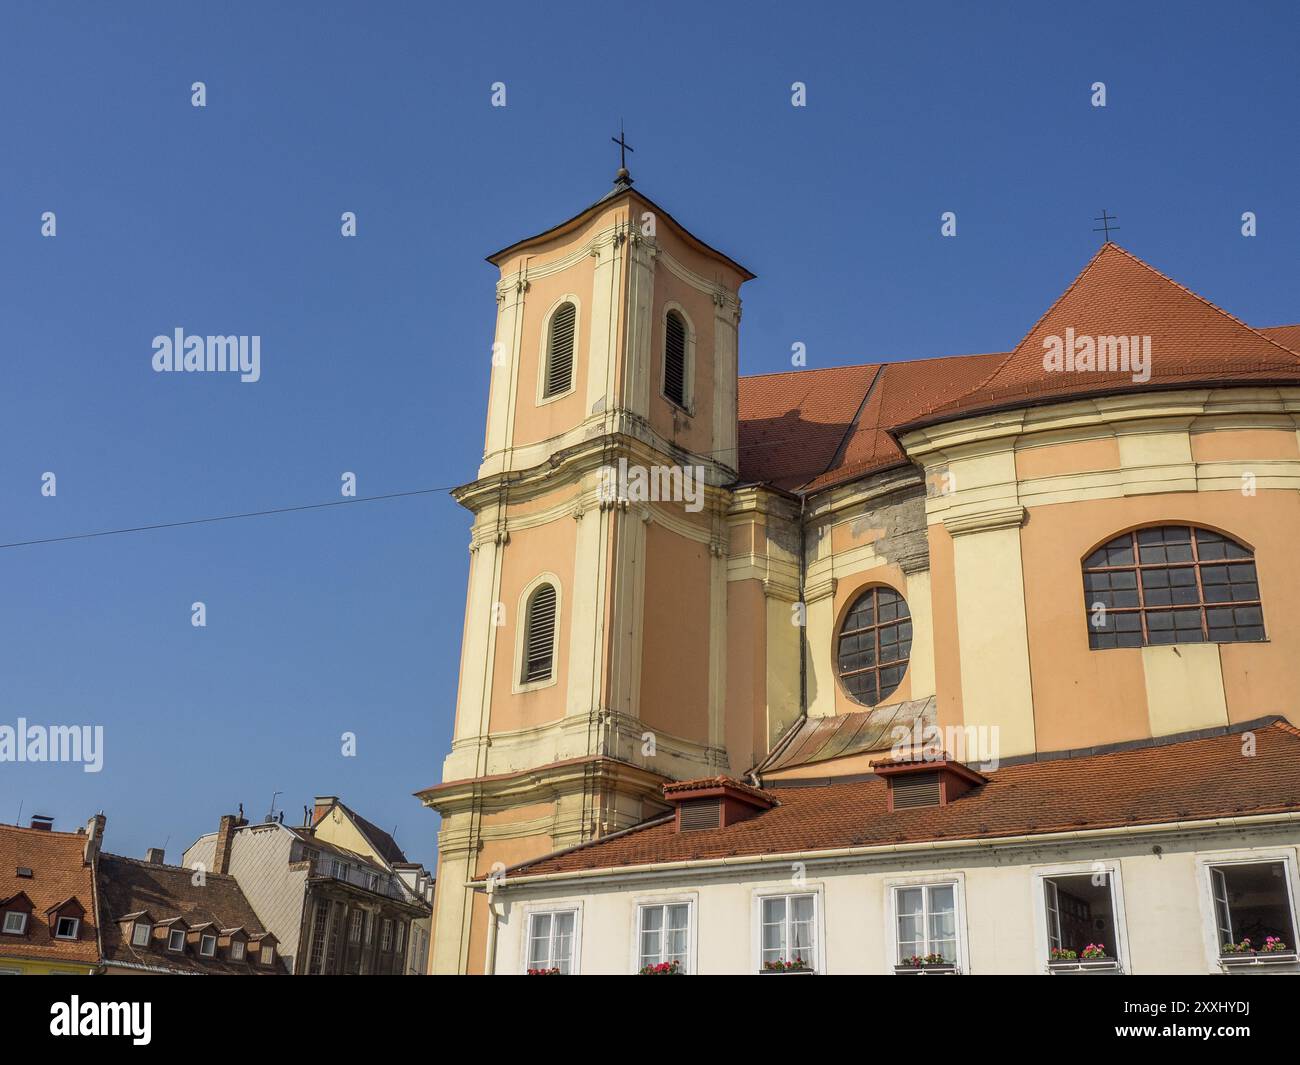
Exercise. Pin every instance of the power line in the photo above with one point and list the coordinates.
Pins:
(227, 517)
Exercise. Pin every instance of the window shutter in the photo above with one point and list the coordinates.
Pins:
(539, 634)
(559, 351)
(675, 358)
(919, 790)
(697, 816)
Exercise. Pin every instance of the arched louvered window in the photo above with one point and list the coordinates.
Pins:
(559, 350)
(539, 635)
(675, 358)
(874, 646)
(1172, 584)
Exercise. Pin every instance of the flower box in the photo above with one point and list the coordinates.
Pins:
(786, 968)
(1240, 959)
(931, 969)
(1079, 966)
(666, 968)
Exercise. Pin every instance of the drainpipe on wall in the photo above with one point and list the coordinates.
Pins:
(803, 607)
(490, 963)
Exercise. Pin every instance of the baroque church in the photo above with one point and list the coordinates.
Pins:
(970, 664)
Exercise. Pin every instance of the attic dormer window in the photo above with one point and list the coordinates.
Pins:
(236, 950)
(15, 923)
(925, 781)
(67, 928)
(140, 932)
(700, 815)
(176, 940)
(715, 802)
(208, 946)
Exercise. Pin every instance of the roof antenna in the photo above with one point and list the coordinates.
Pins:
(1105, 226)
(20, 813)
(270, 817)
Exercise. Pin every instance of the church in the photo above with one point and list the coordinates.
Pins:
(961, 665)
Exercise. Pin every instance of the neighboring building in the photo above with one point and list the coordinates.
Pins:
(165, 919)
(335, 822)
(48, 905)
(333, 910)
(1083, 542)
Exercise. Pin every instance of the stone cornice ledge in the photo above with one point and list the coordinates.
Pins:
(985, 521)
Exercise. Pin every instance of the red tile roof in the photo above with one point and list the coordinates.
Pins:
(812, 429)
(58, 874)
(1187, 779)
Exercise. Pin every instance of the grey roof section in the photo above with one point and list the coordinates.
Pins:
(819, 739)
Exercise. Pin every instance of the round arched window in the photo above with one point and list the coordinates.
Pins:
(874, 645)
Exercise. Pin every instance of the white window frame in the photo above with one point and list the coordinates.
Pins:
(518, 685)
(22, 923)
(787, 890)
(204, 940)
(76, 927)
(687, 406)
(892, 885)
(172, 933)
(136, 928)
(266, 954)
(554, 906)
(236, 950)
(1119, 950)
(1205, 891)
(689, 899)
(544, 350)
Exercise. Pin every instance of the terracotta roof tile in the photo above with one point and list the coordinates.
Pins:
(807, 430)
(59, 873)
(1187, 780)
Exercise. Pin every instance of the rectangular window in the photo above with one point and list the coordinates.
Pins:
(386, 936)
(176, 940)
(354, 929)
(789, 932)
(236, 950)
(370, 927)
(401, 929)
(318, 928)
(207, 946)
(67, 928)
(1252, 908)
(665, 935)
(140, 935)
(550, 941)
(268, 954)
(15, 923)
(926, 921)
(1081, 918)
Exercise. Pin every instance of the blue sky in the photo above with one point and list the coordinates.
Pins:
(375, 350)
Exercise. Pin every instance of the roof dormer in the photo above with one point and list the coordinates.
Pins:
(918, 782)
(715, 802)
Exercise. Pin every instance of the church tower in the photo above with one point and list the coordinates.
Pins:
(593, 663)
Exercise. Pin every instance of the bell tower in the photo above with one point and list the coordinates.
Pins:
(593, 663)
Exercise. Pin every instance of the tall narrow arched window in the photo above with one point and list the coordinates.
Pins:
(539, 635)
(1171, 584)
(874, 646)
(675, 334)
(559, 350)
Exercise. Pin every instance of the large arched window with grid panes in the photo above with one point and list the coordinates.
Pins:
(1171, 584)
(874, 645)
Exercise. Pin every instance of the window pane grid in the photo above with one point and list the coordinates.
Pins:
(1175, 584)
(927, 922)
(874, 646)
(788, 932)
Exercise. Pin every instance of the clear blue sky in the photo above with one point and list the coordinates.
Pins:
(375, 350)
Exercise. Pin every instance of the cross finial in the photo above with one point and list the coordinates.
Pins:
(623, 149)
(1105, 227)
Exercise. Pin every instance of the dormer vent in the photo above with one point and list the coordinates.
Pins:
(715, 802)
(920, 782)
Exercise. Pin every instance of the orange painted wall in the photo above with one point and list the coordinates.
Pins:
(1075, 457)
(1235, 444)
(675, 651)
(746, 673)
(551, 548)
(1084, 697)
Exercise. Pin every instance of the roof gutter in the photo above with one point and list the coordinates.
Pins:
(885, 849)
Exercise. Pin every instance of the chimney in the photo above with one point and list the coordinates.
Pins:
(42, 823)
(154, 855)
(94, 838)
(323, 804)
(226, 842)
